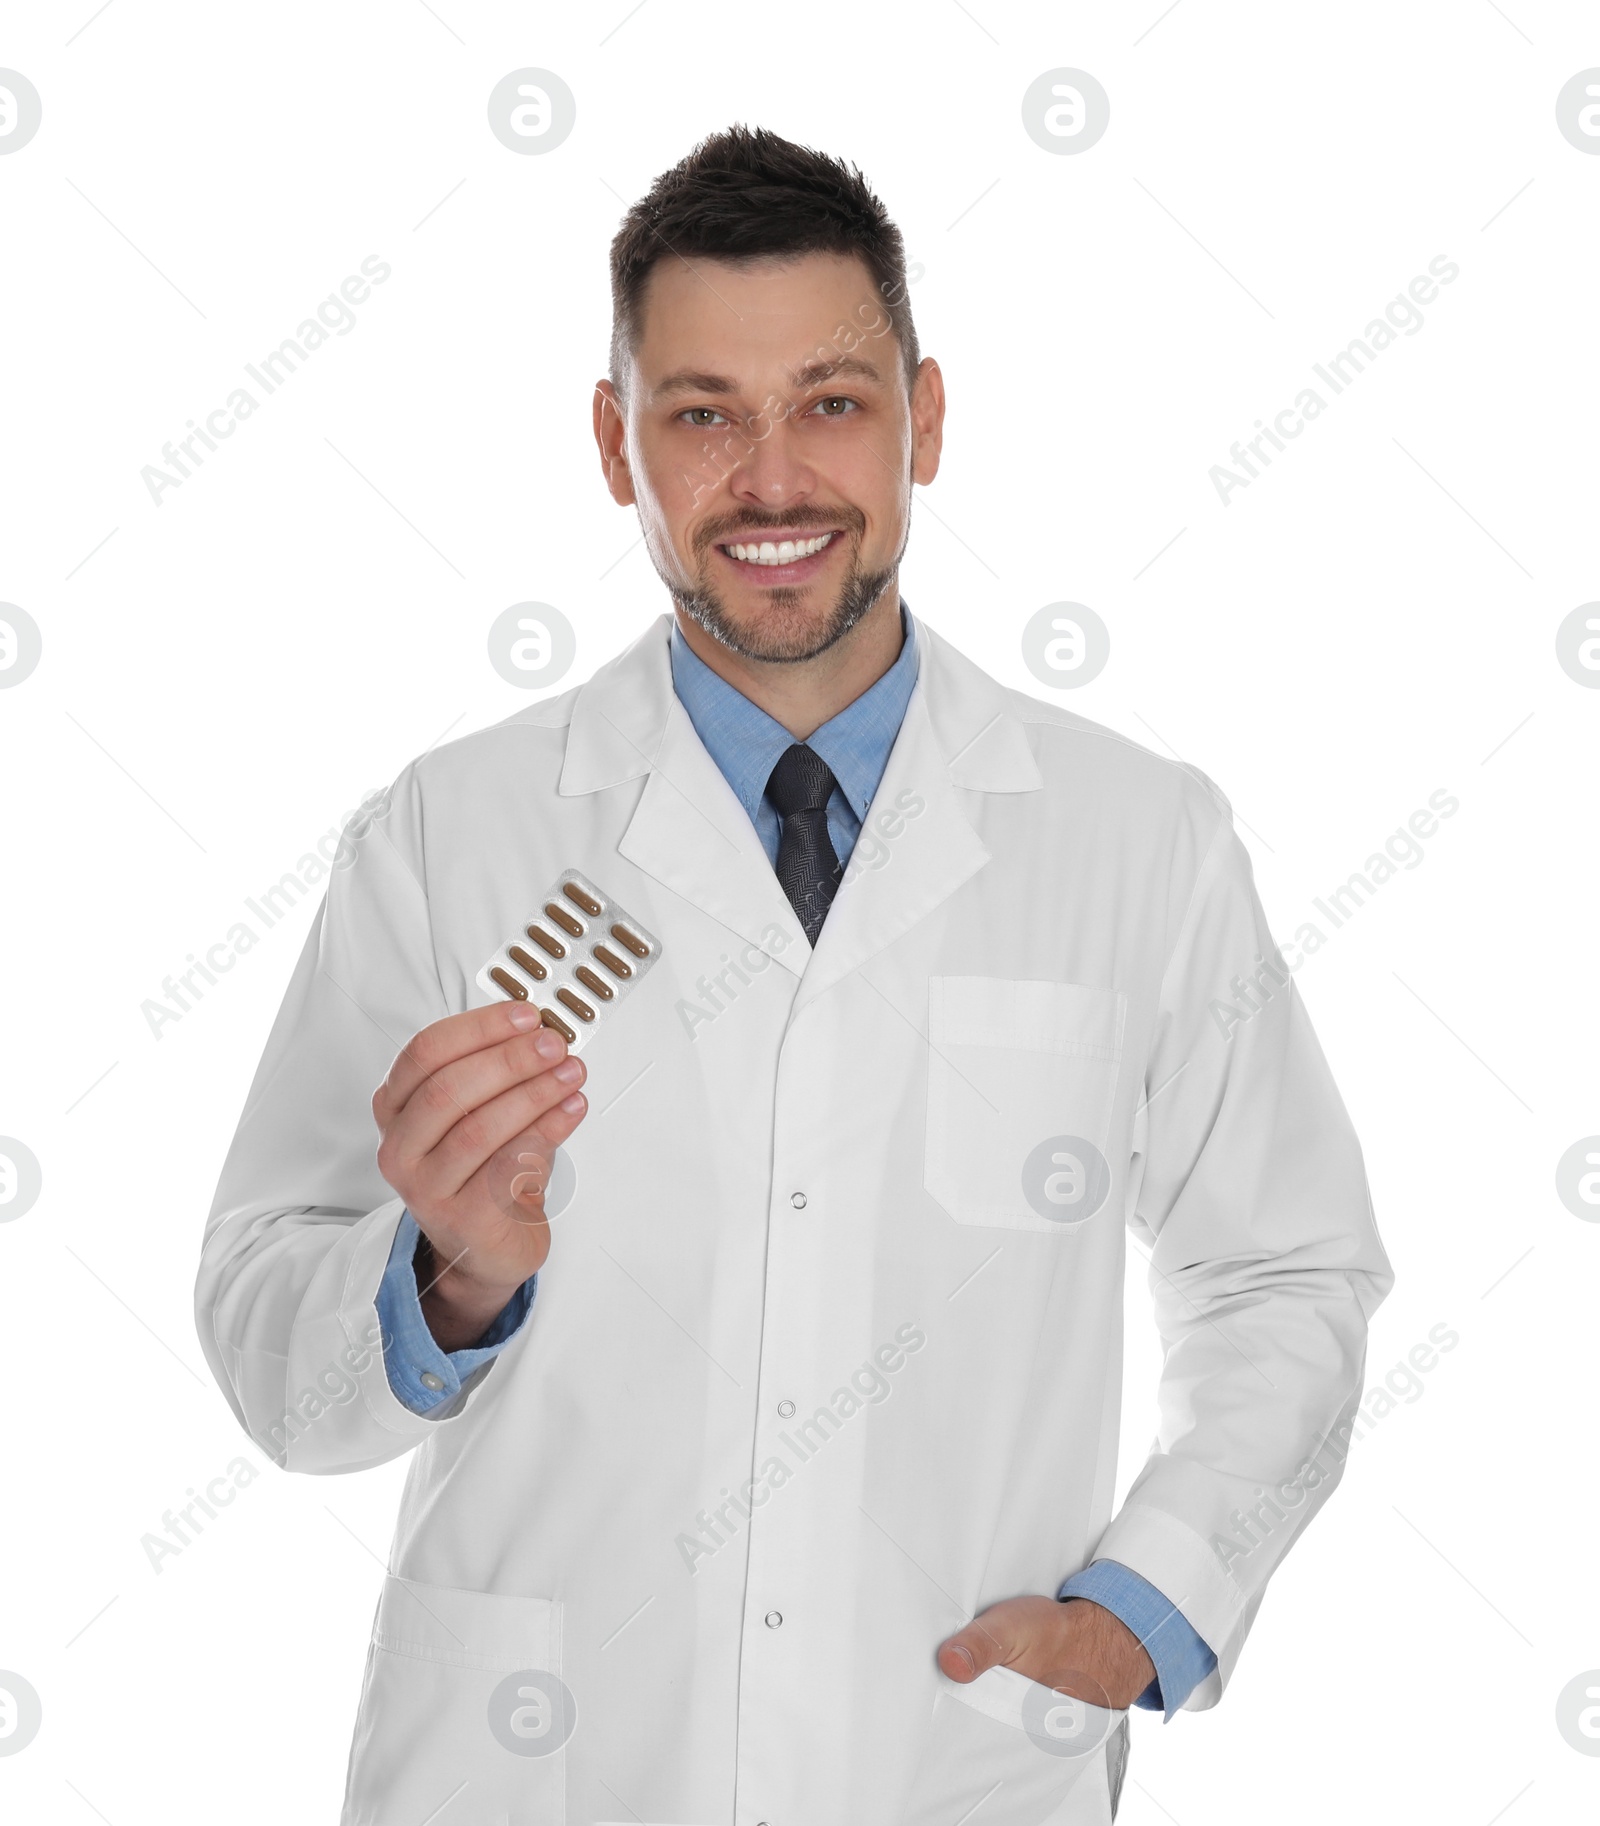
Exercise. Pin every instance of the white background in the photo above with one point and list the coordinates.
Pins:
(1371, 620)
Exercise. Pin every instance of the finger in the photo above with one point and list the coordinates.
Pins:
(477, 1136)
(439, 1102)
(556, 1125)
(975, 1649)
(452, 1038)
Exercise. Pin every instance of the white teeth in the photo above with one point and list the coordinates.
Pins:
(784, 552)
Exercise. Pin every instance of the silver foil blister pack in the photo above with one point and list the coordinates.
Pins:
(577, 959)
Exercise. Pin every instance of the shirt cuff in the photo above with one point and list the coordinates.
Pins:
(422, 1375)
(1182, 1660)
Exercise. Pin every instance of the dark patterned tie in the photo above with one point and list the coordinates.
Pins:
(808, 869)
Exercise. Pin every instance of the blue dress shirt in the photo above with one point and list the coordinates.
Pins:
(421, 1375)
(746, 743)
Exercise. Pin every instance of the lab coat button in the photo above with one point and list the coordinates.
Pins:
(798, 1200)
(431, 1381)
(786, 1410)
(774, 1619)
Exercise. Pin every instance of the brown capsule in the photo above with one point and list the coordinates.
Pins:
(618, 966)
(552, 1020)
(630, 941)
(573, 927)
(547, 941)
(592, 979)
(525, 960)
(576, 1003)
(517, 991)
(578, 897)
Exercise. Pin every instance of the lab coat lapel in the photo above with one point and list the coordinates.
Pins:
(957, 736)
(689, 832)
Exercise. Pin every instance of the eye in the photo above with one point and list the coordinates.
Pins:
(835, 406)
(702, 417)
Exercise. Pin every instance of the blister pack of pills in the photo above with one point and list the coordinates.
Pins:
(576, 960)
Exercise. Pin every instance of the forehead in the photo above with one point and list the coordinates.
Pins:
(759, 321)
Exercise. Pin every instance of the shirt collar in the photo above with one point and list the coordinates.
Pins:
(746, 743)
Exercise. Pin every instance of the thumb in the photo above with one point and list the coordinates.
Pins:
(518, 1176)
(986, 1642)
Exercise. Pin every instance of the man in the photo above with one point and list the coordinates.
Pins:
(772, 1481)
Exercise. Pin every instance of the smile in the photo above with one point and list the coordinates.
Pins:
(782, 551)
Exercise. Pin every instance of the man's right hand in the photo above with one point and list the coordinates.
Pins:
(469, 1116)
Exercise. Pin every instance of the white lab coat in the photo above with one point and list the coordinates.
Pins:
(803, 1184)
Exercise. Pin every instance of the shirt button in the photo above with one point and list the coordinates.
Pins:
(786, 1410)
(431, 1381)
(774, 1619)
(798, 1200)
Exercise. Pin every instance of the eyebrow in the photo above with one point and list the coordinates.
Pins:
(693, 380)
(810, 374)
(815, 373)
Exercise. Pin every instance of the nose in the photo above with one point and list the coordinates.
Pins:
(772, 471)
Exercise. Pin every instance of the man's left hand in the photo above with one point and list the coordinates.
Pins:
(1078, 1647)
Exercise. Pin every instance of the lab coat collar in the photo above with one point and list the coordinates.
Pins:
(690, 832)
(958, 736)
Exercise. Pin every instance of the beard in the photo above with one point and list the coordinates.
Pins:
(783, 630)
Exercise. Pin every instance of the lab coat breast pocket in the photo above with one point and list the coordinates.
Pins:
(1021, 1080)
(463, 1717)
(1026, 1754)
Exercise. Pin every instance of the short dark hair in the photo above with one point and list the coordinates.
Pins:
(745, 195)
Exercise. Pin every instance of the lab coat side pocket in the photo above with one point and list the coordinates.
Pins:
(1030, 1756)
(1022, 1079)
(464, 1717)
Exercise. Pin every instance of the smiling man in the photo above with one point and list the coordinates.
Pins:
(764, 1410)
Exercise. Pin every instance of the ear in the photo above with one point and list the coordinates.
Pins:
(927, 421)
(611, 435)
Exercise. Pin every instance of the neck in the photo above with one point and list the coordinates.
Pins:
(804, 694)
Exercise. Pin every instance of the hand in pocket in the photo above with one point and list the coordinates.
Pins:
(1077, 1647)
